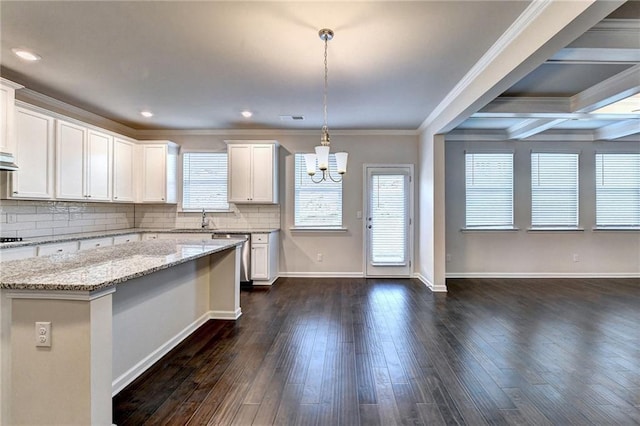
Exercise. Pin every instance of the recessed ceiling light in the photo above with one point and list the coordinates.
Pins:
(25, 54)
(246, 113)
(147, 114)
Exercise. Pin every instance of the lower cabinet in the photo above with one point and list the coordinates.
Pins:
(58, 248)
(17, 253)
(95, 243)
(123, 239)
(264, 258)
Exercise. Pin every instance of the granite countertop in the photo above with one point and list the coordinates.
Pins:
(100, 234)
(104, 267)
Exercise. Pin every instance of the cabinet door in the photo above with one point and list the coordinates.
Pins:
(262, 173)
(70, 154)
(98, 166)
(123, 175)
(58, 248)
(7, 108)
(34, 154)
(95, 243)
(154, 174)
(123, 239)
(239, 182)
(17, 253)
(259, 261)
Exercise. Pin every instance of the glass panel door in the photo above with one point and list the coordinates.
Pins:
(388, 221)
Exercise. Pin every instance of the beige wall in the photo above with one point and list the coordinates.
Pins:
(536, 254)
(342, 251)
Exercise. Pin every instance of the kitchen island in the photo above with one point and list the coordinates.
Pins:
(113, 312)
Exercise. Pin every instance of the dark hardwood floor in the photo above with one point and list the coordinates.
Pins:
(384, 352)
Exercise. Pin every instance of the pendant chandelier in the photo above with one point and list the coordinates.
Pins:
(321, 156)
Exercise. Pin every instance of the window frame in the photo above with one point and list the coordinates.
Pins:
(298, 160)
(618, 227)
(555, 227)
(489, 227)
(181, 207)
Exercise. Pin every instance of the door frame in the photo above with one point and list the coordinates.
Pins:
(365, 212)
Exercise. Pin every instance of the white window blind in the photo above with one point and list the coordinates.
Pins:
(317, 204)
(204, 181)
(618, 190)
(489, 190)
(388, 210)
(554, 190)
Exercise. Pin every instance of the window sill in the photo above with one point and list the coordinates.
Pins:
(555, 229)
(206, 211)
(617, 228)
(473, 230)
(317, 229)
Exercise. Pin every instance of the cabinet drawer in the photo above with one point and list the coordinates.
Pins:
(69, 247)
(17, 253)
(259, 238)
(95, 243)
(123, 239)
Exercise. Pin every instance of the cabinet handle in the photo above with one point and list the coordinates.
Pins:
(59, 250)
(115, 198)
(15, 192)
(88, 196)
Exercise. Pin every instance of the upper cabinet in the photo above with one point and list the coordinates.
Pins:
(7, 115)
(83, 161)
(253, 172)
(34, 154)
(159, 172)
(124, 182)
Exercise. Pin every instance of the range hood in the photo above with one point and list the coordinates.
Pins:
(6, 162)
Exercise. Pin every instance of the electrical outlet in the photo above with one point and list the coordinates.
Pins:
(576, 257)
(319, 257)
(11, 218)
(359, 214)
(43, 334)
(448, 257)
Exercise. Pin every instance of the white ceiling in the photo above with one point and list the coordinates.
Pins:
(197, 65)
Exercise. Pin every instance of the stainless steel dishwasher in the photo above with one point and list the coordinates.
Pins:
(245, 258)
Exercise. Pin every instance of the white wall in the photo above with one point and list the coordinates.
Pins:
(342, 251)
(536, 254)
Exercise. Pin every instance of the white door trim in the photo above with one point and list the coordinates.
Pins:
(365, 211)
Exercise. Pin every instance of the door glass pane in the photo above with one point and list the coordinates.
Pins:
(388, 210)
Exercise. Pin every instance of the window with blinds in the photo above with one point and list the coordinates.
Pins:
(554, 190)
(388, 205)
(489, 190)
(204, 181)
(618, 190)
(317, 205)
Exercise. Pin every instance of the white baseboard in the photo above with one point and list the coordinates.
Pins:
(261, 282)
(322, 274)
(429, 284)
(225, 315)
(130, 375)
(542, 275)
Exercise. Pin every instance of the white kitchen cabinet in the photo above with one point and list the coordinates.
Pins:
(83, 163)
(95, 243)
(58, 248)
(159, 169)
(70, 164)
(148, 237)
(124, 183)
(127, 238)
(99, 157)
(7, 115)
(17, 253)
(34, 155)
(264, 258)
(252, 172)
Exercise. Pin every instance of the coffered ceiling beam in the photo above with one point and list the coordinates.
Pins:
(595, 55)
(618, 130)
(620, 86)
(532, 127)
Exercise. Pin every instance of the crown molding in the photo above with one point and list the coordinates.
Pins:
(270, 132)
(43, 101)
(533, 11)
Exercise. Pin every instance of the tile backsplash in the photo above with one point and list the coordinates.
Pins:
(49, 218)
(241, 216)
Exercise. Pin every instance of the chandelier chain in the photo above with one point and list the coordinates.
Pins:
(325, 127)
